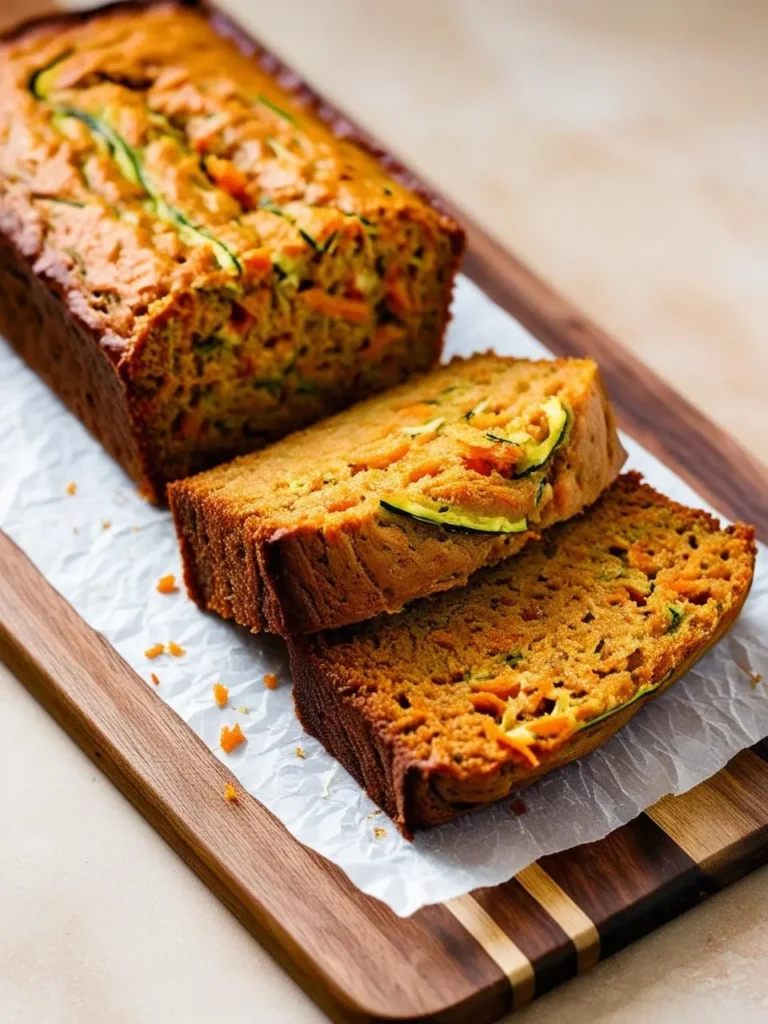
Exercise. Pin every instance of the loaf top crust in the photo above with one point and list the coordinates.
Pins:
(508, 670)
(143, 154)
(438, 443)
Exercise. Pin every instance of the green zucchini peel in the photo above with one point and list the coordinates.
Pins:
(536, 455)
(129, 163)
(451, 518)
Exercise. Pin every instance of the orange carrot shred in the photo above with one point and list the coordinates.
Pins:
(231, 738)
(154, 679)
(221, 694)
(176, 650)
(155, 651)
(270, 681)
(72, 487)
(167, 584)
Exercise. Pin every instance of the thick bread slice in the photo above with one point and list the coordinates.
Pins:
(468, 696)
(401, 496)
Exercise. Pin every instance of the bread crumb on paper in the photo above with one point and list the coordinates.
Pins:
(243, 709)
(176, 650)
(300, 752)
(167, 584)
(221, 694)
(231, 737)
(230, 793)
(270, 681)
(106, 524)
(155, 651)
(379, 832)
(72, 487)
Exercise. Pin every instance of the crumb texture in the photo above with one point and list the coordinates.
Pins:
(535, 662)
(402, 495)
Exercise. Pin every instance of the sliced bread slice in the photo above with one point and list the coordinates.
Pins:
(400, 496)
(468, 696)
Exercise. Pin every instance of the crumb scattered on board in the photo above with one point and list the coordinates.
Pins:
(154, 679)
(270, 681)
(300, 752)
(221, 694)
(374, 814)
(176, 650)
(243, 709)
(379, 832)
(230, 793)
(72, 487)
(231, 737)
(154, 651)
(167, 584)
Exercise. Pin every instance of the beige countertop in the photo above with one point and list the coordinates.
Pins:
(621, 149)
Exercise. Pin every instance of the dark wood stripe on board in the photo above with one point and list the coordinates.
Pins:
(536, 932)
(628, 883)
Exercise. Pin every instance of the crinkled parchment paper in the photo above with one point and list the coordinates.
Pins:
(104, 549)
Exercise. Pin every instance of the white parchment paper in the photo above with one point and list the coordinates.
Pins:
(104, 549)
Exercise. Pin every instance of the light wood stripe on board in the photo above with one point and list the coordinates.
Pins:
(497, 944)
(579, 928)
(718, 813)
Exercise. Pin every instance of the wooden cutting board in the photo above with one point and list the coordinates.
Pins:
(475, 957)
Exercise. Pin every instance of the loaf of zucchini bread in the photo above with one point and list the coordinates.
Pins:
(191, 254)
(398, 497)
(473, 694)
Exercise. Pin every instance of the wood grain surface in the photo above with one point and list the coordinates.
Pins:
(492, 950)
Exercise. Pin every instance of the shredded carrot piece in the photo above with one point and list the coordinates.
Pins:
(384, 336)
(487, 702)
(494, 732)
(386, 458)
(256, 261)
(231, 738)
(230, 793)
(155, 651)
(72, 487)
(355, 310)
(270, 681)
(503, 688)
(228, 177)
(154, 679)
(552, 725)
(176, 650)
(443, 638)
(221, 694)
(397, 293)
(167, 584)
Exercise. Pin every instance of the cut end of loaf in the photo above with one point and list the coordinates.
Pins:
(332, 525)
(536, 662)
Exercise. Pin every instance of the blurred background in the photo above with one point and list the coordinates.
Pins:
(621, 150)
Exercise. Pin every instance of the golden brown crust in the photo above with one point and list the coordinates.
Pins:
(470, 696)
(294, 539)
(159, 173)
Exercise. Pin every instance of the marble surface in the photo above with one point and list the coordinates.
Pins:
(621, 148)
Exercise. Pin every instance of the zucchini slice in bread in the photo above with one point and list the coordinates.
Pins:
(451, 518)
(400, 496)
(472, 694)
